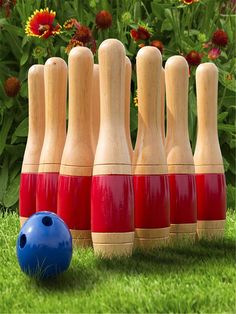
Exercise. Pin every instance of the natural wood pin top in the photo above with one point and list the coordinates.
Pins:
(55, 76)
(112, 153)
(149, 154)
(77, 157)
(207, 156)
(36, 119)
(178, 150)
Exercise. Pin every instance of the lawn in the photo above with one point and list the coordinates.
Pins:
(196, 278)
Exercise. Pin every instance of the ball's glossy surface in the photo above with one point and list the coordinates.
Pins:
(44, 245)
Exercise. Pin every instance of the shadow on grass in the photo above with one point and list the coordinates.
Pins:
(177, 259)
(173, 258)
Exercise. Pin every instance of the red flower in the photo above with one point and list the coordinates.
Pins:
(82, 37)
(193, 58)
(214, 53)
(12, 86)
(40, 24)
(220, 38)
(158, 44)
(103, 20)
(69, 24)
(83, 34)
(134, 34)
(73, 43)
(141, 33)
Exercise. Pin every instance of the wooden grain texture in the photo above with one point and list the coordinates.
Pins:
(149, 154)
(163, 92)
(210, 224)
(77, 157)
(23, 220)
(80, 234)
(178, 148)
(81, 238)
(207, 155)
(36, 96)
(183, 228)
(128, 73)
(55, 78)
(112, 148)
(115, 237)
(81, 243)
(95, 108)
(152, 233)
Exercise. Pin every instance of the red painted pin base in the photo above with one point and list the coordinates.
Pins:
(211, 196)
(151, 201)
(46, 193)
(112, 203)
(183, 202)
(112, 223)
(27, 194)
(74, 201)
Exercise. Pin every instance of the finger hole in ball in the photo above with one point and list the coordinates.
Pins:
(23, 241)
(47, 221)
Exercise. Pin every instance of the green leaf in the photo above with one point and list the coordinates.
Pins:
(24, 90)
(232, 143)
(227, 80)
(24, 57)
(3, 178)
(158, 9)
(22, 129)
(14, 171)
(222, 116)
(11, 196)
(7, 122)
(226, 164)
(226, 127)
(166, 26)
(133, 118)
(231, 196)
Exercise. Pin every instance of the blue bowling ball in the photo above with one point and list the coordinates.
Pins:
(44, 245)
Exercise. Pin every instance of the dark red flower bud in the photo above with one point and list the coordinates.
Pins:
(83, 34)
(220, 38)
(12, 86)
(103, 20)
(134, 34)
(158, 44)
(140, 33)
(193, 58)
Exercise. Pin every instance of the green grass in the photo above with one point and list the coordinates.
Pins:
(196, 278)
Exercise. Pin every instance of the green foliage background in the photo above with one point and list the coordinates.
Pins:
(180, 27)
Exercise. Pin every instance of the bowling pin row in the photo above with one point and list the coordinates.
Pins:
(92, 177)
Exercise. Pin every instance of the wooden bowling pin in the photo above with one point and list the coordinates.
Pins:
(112, 220)
(28, 181)
(74, 183)
(183, 206)
(55, 77)
(210, 179)
(128, 72)
(151, 188)
(95, 107)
